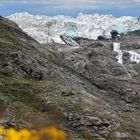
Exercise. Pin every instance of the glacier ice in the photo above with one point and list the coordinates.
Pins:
(47, 29)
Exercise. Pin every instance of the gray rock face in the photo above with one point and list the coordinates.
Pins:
(107, 91)
(82, 90)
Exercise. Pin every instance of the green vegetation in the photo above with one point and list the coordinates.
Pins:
(5, 72)
(78, 108)
(21, 89)
(19, 109)
(6, 36)
(22, 93)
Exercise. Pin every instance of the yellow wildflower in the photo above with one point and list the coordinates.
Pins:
(1, 131)
(12, 134)
(34, 135)
(24, 134)
(50, 133)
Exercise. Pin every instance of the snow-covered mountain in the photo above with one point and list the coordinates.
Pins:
(47, 29)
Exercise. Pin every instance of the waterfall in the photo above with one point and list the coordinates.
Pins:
(116, 47)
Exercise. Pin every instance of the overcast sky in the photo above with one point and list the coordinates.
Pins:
(71, 7)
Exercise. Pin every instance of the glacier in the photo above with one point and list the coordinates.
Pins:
(48, 29)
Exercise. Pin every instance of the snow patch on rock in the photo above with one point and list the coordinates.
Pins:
(134, 57)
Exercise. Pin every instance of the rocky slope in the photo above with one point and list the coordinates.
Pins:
(82, 89)
(47, 29)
